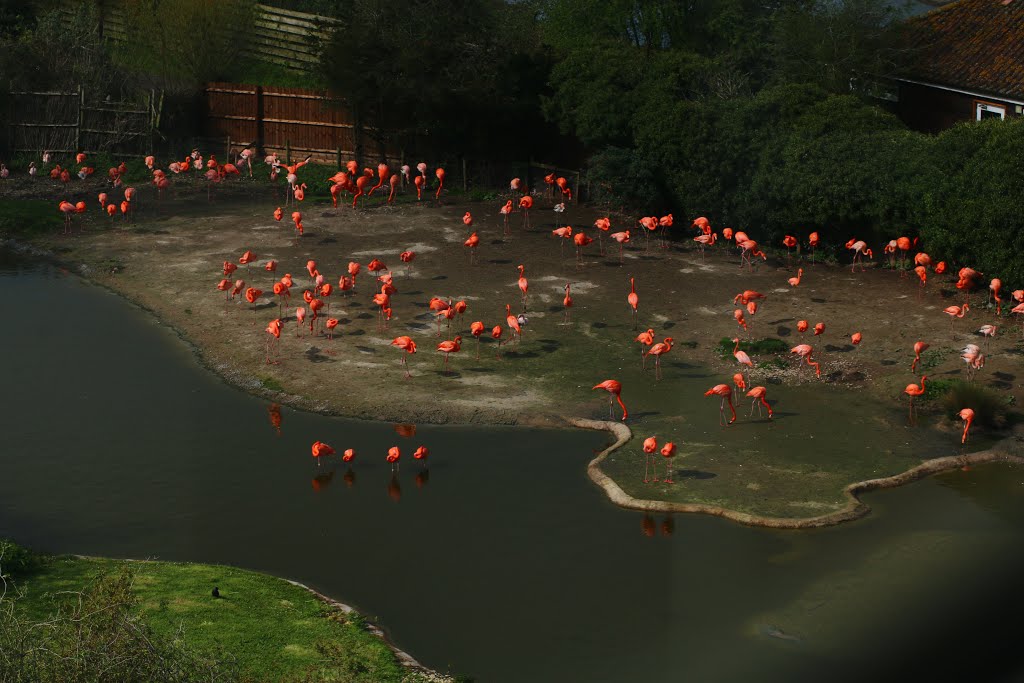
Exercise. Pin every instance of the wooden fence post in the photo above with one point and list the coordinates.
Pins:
(288, 152)
(78, 125)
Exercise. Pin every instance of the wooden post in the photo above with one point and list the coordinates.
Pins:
(464, 186)
(288, 152)
(78, 125)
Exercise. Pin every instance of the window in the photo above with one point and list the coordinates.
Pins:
(987, 110)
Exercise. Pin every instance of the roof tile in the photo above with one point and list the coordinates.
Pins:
(976, 44)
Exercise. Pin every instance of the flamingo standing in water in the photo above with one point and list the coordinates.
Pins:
(967, 415)
(602, 225)
(725, 392)
(614, 389)
(742, 358)
(526, 203)
(657, 351)
(650, 448)
(320, 449)
(795, 281)
(407, 345)
(633, 300)
(394, 453)
(567, 302)
(913, 390)
(759, 394)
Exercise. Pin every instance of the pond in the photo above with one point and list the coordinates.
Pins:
(501, 561)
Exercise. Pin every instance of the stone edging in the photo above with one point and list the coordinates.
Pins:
(854, 508)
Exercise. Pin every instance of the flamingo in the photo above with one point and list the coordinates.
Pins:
(742, 358)
(918, 348)
(746, 296)
(566, 234)
(496, 336)
(512, 322)
(645, 339)
(567, 302)
(750, 250)
(526, 203)
(913, 390)
(602, 225)
(860, 250)
(759, 394)
(440, 182)
(967, 415)
(805, 351)
(725, 392)
(657, 351)
(476, 328)
(801, 326)
(447, 347)
(633, 300)
(472, 242)
(407, 257)
(407, 345)
(274, 330)
(320, 449)
(581, 241)
(740, 320)
(650, 448)
(614, 389)
(668, 450)
(421, 454)
(819, 329)
(394, 453)
(813, 240)
(621, 238)
(524, 285)
(705, 241)
(994, 288)
(856, 338)
(795, 281)
(418, 182)
(955, 312)
(789, 242)
(505, 211)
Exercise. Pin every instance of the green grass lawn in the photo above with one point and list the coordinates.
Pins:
(270, 627)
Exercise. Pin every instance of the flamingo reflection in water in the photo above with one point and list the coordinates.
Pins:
(322, 480)
(274, 412)
(422, 478)
(394, 490)
(405, 429)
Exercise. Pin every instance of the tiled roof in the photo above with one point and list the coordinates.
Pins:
(971, 44)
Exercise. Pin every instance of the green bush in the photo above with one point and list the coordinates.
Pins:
(17, 562)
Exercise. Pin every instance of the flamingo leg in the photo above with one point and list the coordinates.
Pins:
(647, 461)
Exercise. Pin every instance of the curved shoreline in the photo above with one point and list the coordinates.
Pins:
(854, 508)
(403, 657)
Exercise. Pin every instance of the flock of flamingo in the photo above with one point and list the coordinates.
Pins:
(317, 295)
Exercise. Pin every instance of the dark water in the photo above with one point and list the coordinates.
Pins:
(503, 562)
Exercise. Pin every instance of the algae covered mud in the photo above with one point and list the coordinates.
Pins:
(500, 560)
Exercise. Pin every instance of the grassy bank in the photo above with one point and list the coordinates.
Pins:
(271, 629)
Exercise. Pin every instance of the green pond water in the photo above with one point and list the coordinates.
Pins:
(501, 561)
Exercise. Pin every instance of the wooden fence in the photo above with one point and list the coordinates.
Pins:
(64, 122)
(288, 121)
